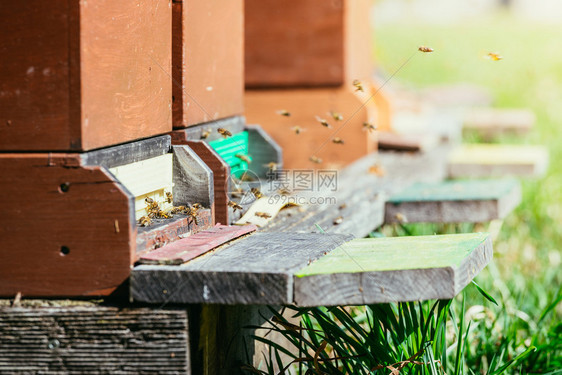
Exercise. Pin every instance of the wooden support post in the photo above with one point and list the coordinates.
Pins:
(83, 74)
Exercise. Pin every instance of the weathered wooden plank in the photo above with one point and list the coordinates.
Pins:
(406, 142)
(78, 338)
(71, 84)
(71, 232)
(493, 160)
(453, 201)
(396, 269)
(490, 122)
(263, 150)
(193, 179)
(256, 270)
(208, 131)
(181, 251)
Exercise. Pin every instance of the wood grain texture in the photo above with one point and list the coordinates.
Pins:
(93, 339)
(474, 201)
(84, 75)
(256, 270)
(363, 193)
(304, 105)
(195, 245)
(208, 68)
(73, 243)
(382, 270)
(193, 179)
(493, 160)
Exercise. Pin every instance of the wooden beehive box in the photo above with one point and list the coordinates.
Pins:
(80, 75)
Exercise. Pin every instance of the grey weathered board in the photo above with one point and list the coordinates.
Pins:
(193, 179)
(381, 270)
(256, 270)
(263, 150)
(363, 194)
(473, 201)
(93, 339)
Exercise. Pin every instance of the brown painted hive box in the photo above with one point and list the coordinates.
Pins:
(79, 75)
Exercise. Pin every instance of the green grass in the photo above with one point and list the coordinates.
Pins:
(526, 274)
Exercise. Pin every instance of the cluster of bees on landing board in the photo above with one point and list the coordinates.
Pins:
(155, 212)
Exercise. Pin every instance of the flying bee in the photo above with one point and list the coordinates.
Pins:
(297, 129)
(377, 170)
(336, 115)
(272, 166)
(425, 49)
(257, 193)
(358, 85)
(145, 221)
(263, 215)
(283, 112)
(323, 122)
(244, 158)
(369, 127)
(494, 56)
(225, 133)
(169, 197)
(401, 218)
(205, 133)
(235, 206)
(315, 159)
(342, 206)
(337, 140)
(284, 191)
(338, 220)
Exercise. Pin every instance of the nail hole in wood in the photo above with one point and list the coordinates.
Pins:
(64, 250)
(64, 187)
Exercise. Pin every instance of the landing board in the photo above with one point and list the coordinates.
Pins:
(454, 201)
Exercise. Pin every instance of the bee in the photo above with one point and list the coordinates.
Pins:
(145, 221)
(163, 214)
(338, 220)
(337, 140)
(358, 85)
(205, 133)
(494, 56)
(336, 115)
(263, 215)
(177, 209)
(257, 193)
(150, 202)
(315, 159)
(401, 218)
(283, 112)
(369, 127)
(425, 49)
(284, 191)
(297, 129)
(342, 206)
(272, 166)
(323, 122)
(247, 177)
(244, 158)
(169, 197)
(235, 206)
(225, 133)
(196, 206)
(377, 170)
(193, 215)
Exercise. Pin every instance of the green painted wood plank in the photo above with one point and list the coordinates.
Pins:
(393, 270)
(396, 253)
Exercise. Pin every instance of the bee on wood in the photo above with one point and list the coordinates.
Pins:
(196, 206)
(358, 85)
(145, 221)
(425, 49)
(177, 209)
(257, 193)
(235, 206)
(163, 214)
(205, 133)
(263, 215)
(494, 56)
(297, 129)
(283, 112)
(169, 197)
(272, 166)
(315, 159)
(338, 220)
(150, 202)
(401, 218)
(337, 140)
(323, 122)
(225, 133)
(377, 170)
(244, 158)
(369, 127)
(336, 115)
(193, 215)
